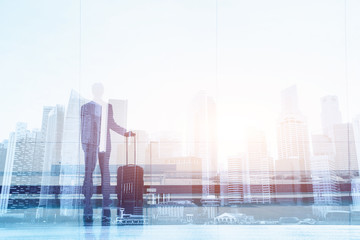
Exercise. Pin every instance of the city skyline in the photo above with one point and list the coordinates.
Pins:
(52, 155)
(239, 145)
(293, 104)
(155, 119)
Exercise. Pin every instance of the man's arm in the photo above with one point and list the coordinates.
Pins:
(113, 125)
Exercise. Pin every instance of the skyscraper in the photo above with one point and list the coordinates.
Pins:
(52, 159)
(203, 139)
(25, 147)
(293, 140)
(72, 157)
(259, 166)
(24, 157)
(346, 157)
(330, 114)
(38, 163)
(326, 190)
(293, 146)
(239, 191)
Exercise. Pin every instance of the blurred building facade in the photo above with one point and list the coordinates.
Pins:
(202, 141)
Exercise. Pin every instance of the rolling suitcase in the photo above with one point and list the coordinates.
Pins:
(130, 185)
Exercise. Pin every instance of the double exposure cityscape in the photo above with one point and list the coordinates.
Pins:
(46, 171)
(146, 119)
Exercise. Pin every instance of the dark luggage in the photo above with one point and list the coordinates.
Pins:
(130, 185)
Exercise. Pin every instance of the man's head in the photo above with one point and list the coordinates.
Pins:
(97, 90)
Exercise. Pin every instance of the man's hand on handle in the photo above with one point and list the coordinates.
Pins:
(129, 134)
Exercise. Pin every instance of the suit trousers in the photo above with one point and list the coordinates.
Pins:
(91, 155)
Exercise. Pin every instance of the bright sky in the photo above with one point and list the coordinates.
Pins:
(159, 54)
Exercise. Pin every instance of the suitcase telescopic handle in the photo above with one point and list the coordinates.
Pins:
(127, 149)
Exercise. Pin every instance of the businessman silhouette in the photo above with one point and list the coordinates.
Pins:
(96, 121)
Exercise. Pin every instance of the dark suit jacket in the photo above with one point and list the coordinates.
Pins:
(91, 125)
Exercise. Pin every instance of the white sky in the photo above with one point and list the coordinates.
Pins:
(159, 54)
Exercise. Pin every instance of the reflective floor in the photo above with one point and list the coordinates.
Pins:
(182, 232)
